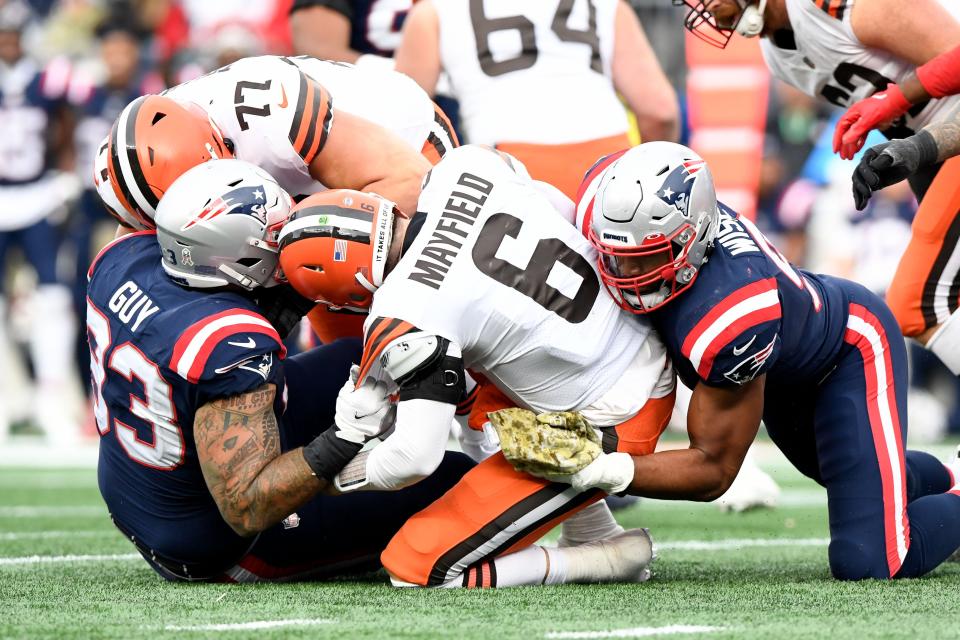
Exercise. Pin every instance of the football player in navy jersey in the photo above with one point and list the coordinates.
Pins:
(819, 359)
(214, 448)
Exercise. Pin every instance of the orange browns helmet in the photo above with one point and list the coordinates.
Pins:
(334, 246)
(152, 143)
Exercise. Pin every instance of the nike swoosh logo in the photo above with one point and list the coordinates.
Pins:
(249, 344)
(283, 103)
(738, 350)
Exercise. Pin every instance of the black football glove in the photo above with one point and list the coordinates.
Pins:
(283, 307)
(889, 163)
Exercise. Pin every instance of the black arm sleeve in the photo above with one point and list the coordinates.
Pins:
(440, 378)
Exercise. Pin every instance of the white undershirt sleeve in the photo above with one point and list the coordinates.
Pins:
(415, 448)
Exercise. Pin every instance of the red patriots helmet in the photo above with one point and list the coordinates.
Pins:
(153, 142)
(335, 245)
(653, 219)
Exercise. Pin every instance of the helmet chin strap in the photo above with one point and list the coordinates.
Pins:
(751, 20)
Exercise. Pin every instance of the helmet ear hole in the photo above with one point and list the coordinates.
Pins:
(157, 117)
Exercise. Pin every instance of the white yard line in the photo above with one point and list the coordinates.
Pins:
(731, 544)
(634, 632)
(250, 626)
(788, 498)
(8, 536)
(24, 511)
(69, 559)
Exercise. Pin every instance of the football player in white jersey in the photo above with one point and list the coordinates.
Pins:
(843, 51)
(489, 277)
(539, 78)
(311, 124)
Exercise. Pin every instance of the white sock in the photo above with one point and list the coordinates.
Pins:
(945, 343)
(593, 523)
(528, 567)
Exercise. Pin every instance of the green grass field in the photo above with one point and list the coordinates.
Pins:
(66, 573)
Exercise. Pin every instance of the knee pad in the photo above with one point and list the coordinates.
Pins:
(904, 300)
(851, 560)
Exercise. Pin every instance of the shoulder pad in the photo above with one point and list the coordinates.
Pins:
(741, 326)
(415, 352)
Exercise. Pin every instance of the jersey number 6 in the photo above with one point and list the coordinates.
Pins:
(532, 281)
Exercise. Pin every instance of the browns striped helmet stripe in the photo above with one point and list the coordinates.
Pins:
(126, 164)
(118, 184)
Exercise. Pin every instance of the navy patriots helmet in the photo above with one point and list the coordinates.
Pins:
(654, 218)
(217, 225)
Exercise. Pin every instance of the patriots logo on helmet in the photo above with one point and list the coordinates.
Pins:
(247, 201)
(675, 189)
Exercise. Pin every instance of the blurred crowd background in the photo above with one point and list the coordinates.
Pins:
(97, 55)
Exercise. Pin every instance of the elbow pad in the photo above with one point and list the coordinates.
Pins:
(426, 367)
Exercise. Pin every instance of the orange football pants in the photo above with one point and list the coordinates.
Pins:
(495, 509)
(563, 165)
(926, 287)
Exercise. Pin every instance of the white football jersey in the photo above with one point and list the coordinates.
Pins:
(830, 63)
(278, 111)
(497, 271)
(534, 71)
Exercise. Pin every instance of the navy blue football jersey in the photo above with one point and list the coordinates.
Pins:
(29, 97)
(158, 353)
(375, 25)
(750, 312)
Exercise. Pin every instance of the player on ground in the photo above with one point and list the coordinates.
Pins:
(539, 78)
(309, 123)
(487, 276)
(818, 358)
(844, 51)
(209, 439)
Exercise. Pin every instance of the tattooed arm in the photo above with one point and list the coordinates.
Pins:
(946, 135)
(238, 443)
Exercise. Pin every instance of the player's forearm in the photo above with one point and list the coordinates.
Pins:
(403, 187)
(946, 136)
(658, 127)
(238, 445)
(282, 487)
(687, 474)
(413, 451)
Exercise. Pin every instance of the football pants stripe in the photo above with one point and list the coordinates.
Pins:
(939, 298)
(517, 522)
(866, 333)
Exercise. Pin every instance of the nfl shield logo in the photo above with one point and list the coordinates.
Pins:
(339, 250)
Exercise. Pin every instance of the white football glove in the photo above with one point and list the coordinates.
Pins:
(610, 472)
(362, 411)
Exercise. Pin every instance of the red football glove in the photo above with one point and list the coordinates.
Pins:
(856, 123)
